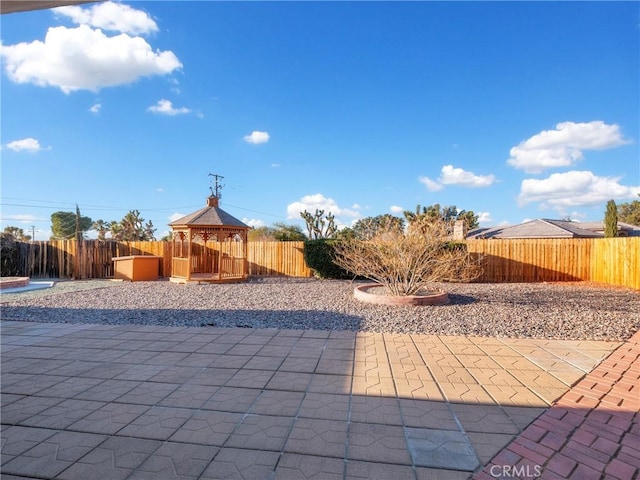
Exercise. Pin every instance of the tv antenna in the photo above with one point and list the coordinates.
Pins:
(217, 188)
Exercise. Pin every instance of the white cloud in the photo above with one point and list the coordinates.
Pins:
(396, 209)
(431, 185)
(275, 165)
(449, 175)
(176, 86)
(22, 218)
(484, 217)
(319, 201)
(165, 107)
(95, 108)
(574, 188)
(84, 59)
(160, 190)
(256, 137)
(176, 216)
(457, 176)
(111, 16)
(30, 145)
(563, 146)
(252, 222)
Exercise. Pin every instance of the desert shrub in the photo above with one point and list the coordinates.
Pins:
(407, 262)
(319, 255)
(9, 254)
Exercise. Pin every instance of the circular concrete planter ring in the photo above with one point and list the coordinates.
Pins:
(362, 293)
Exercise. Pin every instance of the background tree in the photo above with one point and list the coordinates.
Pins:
(17, 234)
(448, 215)
(63, 225)
(9, 255)
(288, 233)
(630, 212)
(116, 230)
(133, 228)
(469, 217)
(369, 227)
(102, 228)
(260, 234)
(319, 225)
(611, 220)
(279, 232)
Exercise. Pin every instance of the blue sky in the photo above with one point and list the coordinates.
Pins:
(513, 110)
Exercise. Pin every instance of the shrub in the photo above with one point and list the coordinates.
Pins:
(9, 256)
(405, 263)
(319, 256)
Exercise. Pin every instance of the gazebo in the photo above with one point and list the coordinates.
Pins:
(209, 246)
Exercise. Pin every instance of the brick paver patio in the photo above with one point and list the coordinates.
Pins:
(127, 401)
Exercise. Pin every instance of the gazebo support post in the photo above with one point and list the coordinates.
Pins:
(189, 255)
(245, 261)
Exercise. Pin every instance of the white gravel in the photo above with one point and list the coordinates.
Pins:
(558, 311)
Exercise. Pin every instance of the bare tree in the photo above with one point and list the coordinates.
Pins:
(406, 263)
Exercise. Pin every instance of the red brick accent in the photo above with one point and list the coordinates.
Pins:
(605, 446)
(585, 473)
(527, 453)
(620, 470)
(554, 440)
(632, 440)
(534, 432)
(506, 457)
(561, 465)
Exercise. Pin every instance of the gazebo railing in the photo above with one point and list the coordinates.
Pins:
(231, 267)
(180, 267)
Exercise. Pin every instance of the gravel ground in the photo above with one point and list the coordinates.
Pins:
(558, 311)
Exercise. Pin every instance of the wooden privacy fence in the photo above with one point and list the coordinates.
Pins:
(94, 258)
(615, 261)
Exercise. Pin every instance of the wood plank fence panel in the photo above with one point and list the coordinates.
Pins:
(616, 261)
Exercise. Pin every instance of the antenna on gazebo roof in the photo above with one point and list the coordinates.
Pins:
(216, 191)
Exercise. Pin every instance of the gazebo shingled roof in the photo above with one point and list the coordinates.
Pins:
(211, 215)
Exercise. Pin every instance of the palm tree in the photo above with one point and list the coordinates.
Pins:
(102, 228)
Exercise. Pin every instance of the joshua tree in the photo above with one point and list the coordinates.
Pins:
(318, 225)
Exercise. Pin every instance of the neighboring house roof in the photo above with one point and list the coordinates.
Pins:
(548, 228)
(209, 216)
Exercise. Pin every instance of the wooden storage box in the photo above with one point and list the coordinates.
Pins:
(136, 268)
